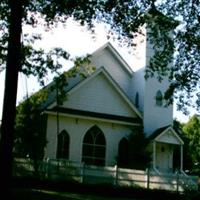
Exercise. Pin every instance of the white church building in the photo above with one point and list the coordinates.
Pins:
(103, 109)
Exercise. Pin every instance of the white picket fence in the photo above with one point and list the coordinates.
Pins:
(65, 170)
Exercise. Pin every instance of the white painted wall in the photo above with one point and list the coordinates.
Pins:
(98, 95)
(113, 66)
(77, 128)
(155, 116)
(139, 51)
(138, 85)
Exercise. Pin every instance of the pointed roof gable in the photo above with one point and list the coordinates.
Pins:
(76, 80)
(166, 135)
(116, 54)
(117, 88)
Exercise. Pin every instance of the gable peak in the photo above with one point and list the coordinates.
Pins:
(116, 54)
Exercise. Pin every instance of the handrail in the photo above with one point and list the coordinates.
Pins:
(184, 173)
(154, 168)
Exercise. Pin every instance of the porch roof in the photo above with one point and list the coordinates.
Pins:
(166, 135)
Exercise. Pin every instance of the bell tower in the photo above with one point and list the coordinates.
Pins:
(156, 112)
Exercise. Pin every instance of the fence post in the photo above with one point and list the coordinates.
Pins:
(116, 176)
(47, 168)
(177, 181)
(83, 171)
(148, 177)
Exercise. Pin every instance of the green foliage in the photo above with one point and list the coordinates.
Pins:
(125, 18)
(179, 19)
(139, 154)
(187, 160)
(192, 133)
(30, 137)
(82, 69)
(38, 62)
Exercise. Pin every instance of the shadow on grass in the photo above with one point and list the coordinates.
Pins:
(32, 194)
(34, 189)
(35, 194)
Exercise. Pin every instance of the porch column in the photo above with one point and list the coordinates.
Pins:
(154, 154)
(181, 164)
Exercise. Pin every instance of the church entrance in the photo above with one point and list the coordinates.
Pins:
(164, 157)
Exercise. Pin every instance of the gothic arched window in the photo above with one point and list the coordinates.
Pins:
(63, 145)
(159, 98)
(94, 147)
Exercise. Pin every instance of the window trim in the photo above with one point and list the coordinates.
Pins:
(159, 98)
(63, 153)
(93, 159)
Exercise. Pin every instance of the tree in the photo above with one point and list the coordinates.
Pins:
(30, 122)
(13, 14)
(126, 18)
(187, 161)
(192, 132)
(134, 151)
(7, 128)
(180, 19)
(139, 154)
(30, 136)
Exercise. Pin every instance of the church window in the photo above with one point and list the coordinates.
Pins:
(63, 145)
(94, 147)
(159, 98)
(137, 100)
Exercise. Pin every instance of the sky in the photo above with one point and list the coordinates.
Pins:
(78, 41)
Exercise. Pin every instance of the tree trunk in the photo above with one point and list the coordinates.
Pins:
(10, 94)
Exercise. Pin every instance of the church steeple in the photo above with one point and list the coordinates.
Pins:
(155, 112)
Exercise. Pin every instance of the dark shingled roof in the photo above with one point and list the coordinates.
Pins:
(71, 83)
(95, 114)
(157, 132)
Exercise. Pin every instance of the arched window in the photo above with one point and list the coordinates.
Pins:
(137, 100)
(159, 98)
(123, 152)
(63, 145)
(94, 147)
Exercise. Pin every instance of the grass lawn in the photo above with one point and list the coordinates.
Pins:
(36, 194)
(33, 189)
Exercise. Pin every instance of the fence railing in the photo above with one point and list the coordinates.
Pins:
(66, 170)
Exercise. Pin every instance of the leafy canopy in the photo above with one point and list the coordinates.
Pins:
(30, 137)
(140, 155)
(30, 122)
(48, 13)
(192, 132)
(125, 17)
(180, 19)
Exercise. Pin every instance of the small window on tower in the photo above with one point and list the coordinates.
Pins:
(159, 98)
(137, 100)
